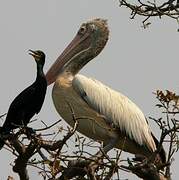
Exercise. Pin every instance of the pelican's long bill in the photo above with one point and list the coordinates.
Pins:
(78, 44)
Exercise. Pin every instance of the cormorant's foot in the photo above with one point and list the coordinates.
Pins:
(30, 132)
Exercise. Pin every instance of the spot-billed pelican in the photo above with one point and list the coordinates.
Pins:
(110, 116)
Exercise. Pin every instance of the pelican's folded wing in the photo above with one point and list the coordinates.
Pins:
(117, 108)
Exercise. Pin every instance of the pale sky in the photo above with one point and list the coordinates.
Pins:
(135, 61)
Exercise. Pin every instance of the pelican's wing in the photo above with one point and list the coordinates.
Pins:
(117, 108)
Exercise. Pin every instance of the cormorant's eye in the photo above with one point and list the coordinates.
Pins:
(82, 30)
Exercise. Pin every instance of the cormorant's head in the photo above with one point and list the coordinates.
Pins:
(39, 56)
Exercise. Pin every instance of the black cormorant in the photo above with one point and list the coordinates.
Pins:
(28, 102)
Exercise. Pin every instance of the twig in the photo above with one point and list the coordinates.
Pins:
(48, 127)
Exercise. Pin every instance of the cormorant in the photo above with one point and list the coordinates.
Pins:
(28, 102)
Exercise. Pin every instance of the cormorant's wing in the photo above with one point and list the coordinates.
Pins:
(24, 98)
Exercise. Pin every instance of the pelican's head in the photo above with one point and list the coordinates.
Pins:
(38, 55)
(87, 44)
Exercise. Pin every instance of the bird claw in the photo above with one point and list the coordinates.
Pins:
(30, 132)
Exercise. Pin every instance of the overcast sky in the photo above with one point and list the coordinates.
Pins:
(135, 61)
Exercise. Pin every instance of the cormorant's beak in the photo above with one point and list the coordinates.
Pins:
(34, 54)
(77, 45)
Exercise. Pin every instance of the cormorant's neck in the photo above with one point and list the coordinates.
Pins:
(40, 72)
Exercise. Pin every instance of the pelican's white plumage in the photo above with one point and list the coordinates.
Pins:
(117, 109)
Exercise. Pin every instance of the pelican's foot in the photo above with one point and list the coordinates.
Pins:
(97, 160)
(139, 158)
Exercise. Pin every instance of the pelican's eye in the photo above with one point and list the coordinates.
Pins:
(93, 27)
(82, 30)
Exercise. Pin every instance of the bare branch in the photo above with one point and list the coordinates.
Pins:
(148, 9)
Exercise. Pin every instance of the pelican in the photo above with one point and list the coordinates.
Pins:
(108, 115)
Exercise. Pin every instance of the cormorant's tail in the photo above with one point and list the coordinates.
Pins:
(1, 143)
(1, 140)
(162, 153)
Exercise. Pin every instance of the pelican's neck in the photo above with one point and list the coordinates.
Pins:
(72, 68)
(64, 79)
(78, 62)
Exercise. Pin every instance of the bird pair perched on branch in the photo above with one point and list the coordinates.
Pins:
(109, 116)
